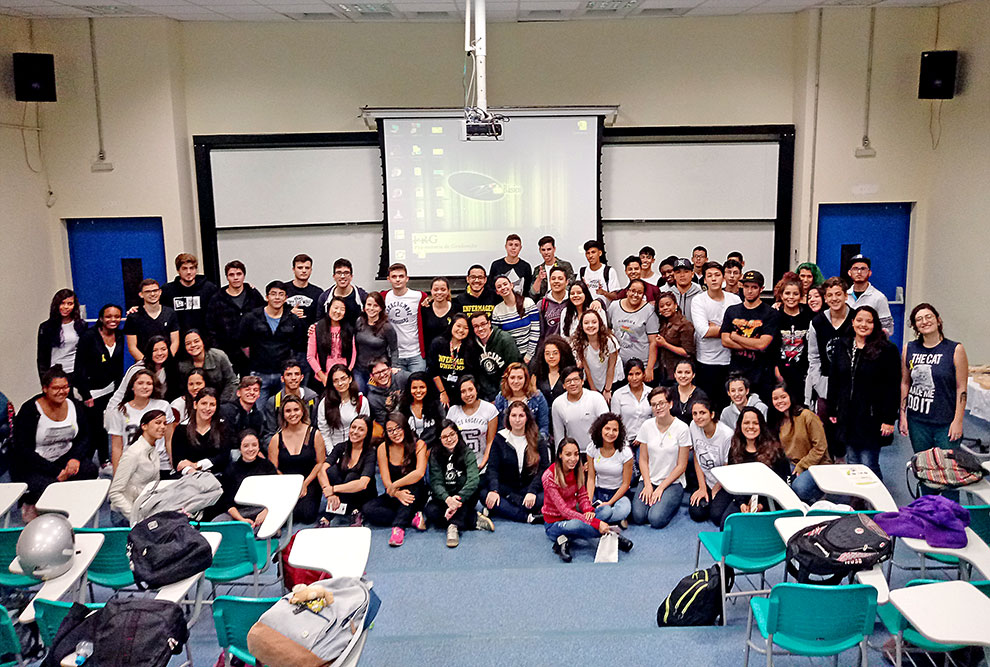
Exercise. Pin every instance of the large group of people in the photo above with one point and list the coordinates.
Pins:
(580, 396)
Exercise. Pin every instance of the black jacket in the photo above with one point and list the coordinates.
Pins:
(237, 420)
(199, 447)
(502, 474)
(25, 456)
(96, 367)
(189, 303)
(267, 350)
(47, 333)
(864, 397)
(223, 318)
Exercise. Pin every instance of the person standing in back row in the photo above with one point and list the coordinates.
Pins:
(149, 319)
(59, 335)
(684, 288)
(479, 296)
(601, 279)
(301, 295)
(707, 314)
(548, 251)
(699, 257)
(513, 267)
(402, 308)
(270, 336)
(828, 327)
(352, 295)
(747, 330)
(862, 293)
(189, 294)
(227, 308)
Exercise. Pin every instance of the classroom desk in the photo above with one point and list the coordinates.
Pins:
(277, 493)
(10, 493)
(980, 490)
(855, 480)
(79, 499)
(341, 552)
(748, 478)
(177, 592)
(976, 552)
(787, 526)
(87, 545)
(949, 612)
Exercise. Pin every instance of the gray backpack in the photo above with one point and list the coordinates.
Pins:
(191, 494)
(287, 632)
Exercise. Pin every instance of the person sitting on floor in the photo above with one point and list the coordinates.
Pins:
(454, 480)
(512, 486)
(350, 473)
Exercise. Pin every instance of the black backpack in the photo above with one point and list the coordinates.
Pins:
(164, 549)
(78, 625)
(695, 600)
(828, 552)
(139, 632)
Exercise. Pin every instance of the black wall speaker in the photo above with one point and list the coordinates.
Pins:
(34, 77)
(938, 75)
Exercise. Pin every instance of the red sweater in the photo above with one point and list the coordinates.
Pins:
(559, 502)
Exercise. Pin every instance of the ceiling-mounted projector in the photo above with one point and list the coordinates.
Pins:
(486, 130)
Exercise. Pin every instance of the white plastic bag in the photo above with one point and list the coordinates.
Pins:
(608, 548)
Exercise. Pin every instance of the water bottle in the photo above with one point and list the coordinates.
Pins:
(84, 649)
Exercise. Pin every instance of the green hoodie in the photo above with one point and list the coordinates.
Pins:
(448, 479)
(499, 352)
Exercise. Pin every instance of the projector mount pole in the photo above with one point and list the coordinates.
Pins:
(478, 48)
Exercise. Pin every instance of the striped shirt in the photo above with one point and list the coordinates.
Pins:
(525, 330)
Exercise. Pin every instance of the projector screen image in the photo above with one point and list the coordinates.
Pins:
(450, 203)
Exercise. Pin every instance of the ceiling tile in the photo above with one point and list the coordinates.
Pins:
(297, 8)
(568, 5)
(669, 4)
(55, 10)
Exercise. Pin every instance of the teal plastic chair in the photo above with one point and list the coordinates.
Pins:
(110, 568)
(8, 552)
(49, 615)
(903, 631)
(869, 513)
(749, 544)
(238, 555)
(809, 620)
(979, 521)
(233, 617)
(9, 643)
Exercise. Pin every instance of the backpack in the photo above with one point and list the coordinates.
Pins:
(827, 552)
(78, 625)
(943, 469)
(696, 599)
(292, 575)
(605, 274)
(139, 632)
(289, 635)
(192, 493)
(164, 549)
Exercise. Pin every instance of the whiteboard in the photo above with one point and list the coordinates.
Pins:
(694, 181)
(292, 186)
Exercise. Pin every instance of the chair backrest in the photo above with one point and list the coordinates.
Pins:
(809, 612)
(112, 556)
(234, 616)
(822, 512)
(9, 643)
(8, 544)
(237, 545)
(49, 615)
(979, 521)
(753, 535)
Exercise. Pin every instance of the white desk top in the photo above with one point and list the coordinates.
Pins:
(177, 591)
(855, 480)
(986, 466)
(10, 493)
(87, 544)
(342, 552)
(748, 478)
(78, 499)
(949, 612)
(787, 526)
(976, 551)
(980, 489)
(277, 493)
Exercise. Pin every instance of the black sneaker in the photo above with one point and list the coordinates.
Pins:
(625, 544)
(534, 519)
(563, 549)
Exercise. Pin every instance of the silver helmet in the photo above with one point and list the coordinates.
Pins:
(46, 547)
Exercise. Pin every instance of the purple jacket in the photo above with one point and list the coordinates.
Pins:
(939, 521)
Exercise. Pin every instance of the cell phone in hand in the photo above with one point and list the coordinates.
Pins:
(754, 503)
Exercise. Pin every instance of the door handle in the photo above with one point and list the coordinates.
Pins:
(898, 296)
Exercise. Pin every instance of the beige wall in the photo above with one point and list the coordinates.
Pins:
(163, 82)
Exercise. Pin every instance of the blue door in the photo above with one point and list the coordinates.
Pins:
(111, 256)
(879, 231)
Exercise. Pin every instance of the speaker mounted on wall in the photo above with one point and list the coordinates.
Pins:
(937, 80)
(34, 77)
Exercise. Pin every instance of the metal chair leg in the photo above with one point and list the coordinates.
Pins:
(899, 649)
(769, 650)
(863, 653)
(697, 553)
(721, 582)
(749, 636)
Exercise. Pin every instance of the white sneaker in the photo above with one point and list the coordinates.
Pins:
(453, 536)
(484, 523)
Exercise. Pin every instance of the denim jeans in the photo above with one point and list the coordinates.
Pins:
(661, 512)
(271, 384)
(612, 513)
(925, 436)
(361, 377)
(412, 364)
(571, 528)
(868, 456)
(805, 488)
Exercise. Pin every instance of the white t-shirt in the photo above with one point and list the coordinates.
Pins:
(403, 315)
(518, 443)
(53, 439)
(179, 411)
(652, 279)
(633, 412)
(608, 471)
(348, 411)
(567, 332)
(65, 352)
(474, 427)
(597, 368)
(664, 448)
(573, 419)
(596, 279)
(704, 310)
(127, 425)
(711, 452)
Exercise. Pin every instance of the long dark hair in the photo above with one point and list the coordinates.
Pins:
(538, 364)
(531, 460)
(441, 453)
(877, 338)
(768, 447)
(596, 430)
(332, 398)
(51, 329)
(408, 438)
(469, 346)
(129, 392)
(570, 311)
(382, 320)
(558, 466)
(216, 432)
(431, 402)
(323, 338)
(366, 445)
(520, 307)
(914, 313)
(206, 344)
(186, 397)
(776, 418)
(149, 347)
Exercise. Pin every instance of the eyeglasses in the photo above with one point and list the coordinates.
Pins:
(341, 273)
(381, 371)
(448, 436)
(392, 430)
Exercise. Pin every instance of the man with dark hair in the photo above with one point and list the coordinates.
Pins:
(685, 289)
(548, 251)
(402, 306)
(747, 331)
(479, 296)
(862, 293)
(699, 256)
(733, 272)
(647, 255)
(149, 319)
(598, 276)
(707, 315)
(385, 386)
(189, 294)
(302, 296)
(666, 269)
(513, 267)
(244, 412)
(498, 350)
(292, 385)
(634, 272)
(827, 328)
(271, 336)
(353, 296)
(552, 305)
(227, 309)
(738, 256)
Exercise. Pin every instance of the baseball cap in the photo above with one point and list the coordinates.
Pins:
(855, 259)
(753, 277)
(683, 263)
